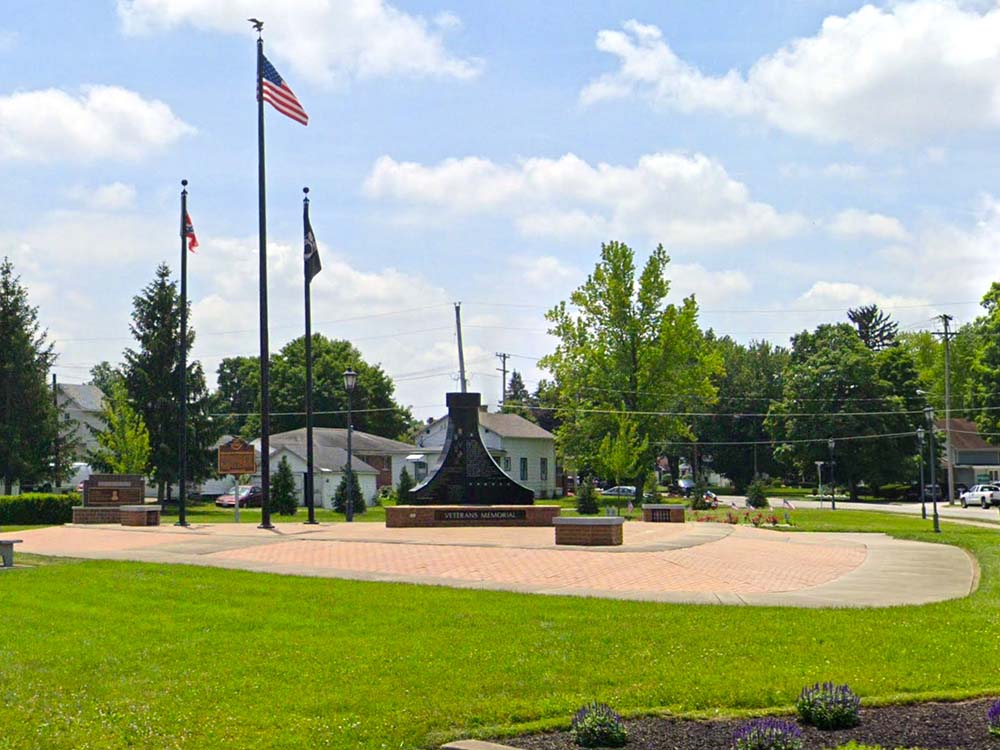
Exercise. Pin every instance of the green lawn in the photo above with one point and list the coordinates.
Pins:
(122, 655)
(209, 513)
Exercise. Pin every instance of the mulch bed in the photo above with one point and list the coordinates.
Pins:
(930, 726)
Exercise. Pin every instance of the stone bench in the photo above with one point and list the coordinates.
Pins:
(603, 531)
(140, 515)
(655, 513)
(7, 552)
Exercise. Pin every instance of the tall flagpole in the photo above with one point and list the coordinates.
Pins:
(310, 497)
(265, 395)
(182, 447)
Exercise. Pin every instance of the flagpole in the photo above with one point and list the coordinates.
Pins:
(182, 446)
(310, 497)
(265, 396)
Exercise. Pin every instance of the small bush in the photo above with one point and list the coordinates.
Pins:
(586, 499)
(650, 490)
(993, 719)
(283, 500)
(597, 725)
(37, 508)
(698, 501)
(829, 706)
(767, 734)
(403, 488)
(340, 496)
(757, 494)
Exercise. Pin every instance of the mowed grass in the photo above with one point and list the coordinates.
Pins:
(123, 655)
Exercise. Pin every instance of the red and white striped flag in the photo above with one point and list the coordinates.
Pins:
(276, 92)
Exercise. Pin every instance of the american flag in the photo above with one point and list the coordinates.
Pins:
(275, 91)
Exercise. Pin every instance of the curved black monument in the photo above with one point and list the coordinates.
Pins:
(466, 473)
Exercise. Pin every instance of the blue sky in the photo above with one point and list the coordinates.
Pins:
(795, 158)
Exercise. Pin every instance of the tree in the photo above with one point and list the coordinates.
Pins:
(283, 498)
(624, 349)
(586, 499)
(239, 393)
(620, 455)
(29, 422)
(152, 376)
(340, 496)
(375, 409)
(517, 398)
(123, 446)
(104, 375)
(403, 488)
(836, 387)
(876, 329)
(985, 380)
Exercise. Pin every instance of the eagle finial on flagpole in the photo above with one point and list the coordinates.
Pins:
(257, 24)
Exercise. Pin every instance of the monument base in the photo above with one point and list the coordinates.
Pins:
(658, 513)
(96, 514)
(402, 516)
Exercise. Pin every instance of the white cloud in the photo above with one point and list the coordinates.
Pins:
(835, 171)
(876, 77)
(841, 295)
(710, 287)
(111, 197)
(104, 122)
(322, 40)
(545, 271)
(856, 223)
(674, 198)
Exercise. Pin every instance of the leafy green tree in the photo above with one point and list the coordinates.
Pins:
(29, 421)
(835, 388)
(406, 484)
(375, 409)
(877, 330)
(586, 499)
(985, 380)
(340, 496)
(238, 394)
(621, 454)
(927, 352)
(152, 376)
(105, 375)
(123, 446)
(621, 347)
(283, 498)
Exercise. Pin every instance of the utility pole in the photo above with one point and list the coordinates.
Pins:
(947, 334)
(461, 356)
(503, 383)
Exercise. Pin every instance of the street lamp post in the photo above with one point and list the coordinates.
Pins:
(920, 445)
(929, 412)
(819, 480)
(350, 380)
(833, 489)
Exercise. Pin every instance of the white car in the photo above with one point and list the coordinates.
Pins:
(981, 494)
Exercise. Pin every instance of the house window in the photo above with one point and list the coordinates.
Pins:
(506, 464)
(524, 469)
(543, 469)
(419, 470)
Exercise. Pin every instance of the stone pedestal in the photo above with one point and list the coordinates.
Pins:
(603, 531)
(105, 514)
(401, 516)
(140, 515)
(662, 513)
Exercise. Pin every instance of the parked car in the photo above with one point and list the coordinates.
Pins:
(250, 497)
(933, 491)
(984, 495)
(620, 491)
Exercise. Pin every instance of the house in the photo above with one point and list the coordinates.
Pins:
(328, 465)
(82, 404)
(975, 460)
(525, 452)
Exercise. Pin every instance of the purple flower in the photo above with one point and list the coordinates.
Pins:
(767, 734)
(993, 718)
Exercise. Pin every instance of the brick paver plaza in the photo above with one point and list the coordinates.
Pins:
(701, 563)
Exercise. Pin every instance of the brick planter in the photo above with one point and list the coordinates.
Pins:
(140, 515)
(604, 531)
(402, 516)
(663, 513)
(106, 514)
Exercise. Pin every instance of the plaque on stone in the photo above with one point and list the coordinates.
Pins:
(113, 490)
(466, 473)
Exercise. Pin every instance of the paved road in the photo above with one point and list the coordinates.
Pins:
(944, 510)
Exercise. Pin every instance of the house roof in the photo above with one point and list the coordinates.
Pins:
(326, 459)
(336, 437)
(506, 425)
(87, 397)
(964, 435)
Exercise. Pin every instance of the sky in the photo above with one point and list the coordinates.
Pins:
(794, 158)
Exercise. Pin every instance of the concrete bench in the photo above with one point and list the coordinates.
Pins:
(7, 552)
(603, 531)
(656, 513)
(139, 515)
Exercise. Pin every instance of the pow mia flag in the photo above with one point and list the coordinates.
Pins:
(311, 255)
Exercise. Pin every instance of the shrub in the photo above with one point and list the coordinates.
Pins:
(403, 488)
(37, 508)
(586, 499)
(340, 496)
(650, 491)
(283, 500)
(597, 725)
(829, 706)
(993, 718)
(767, 734)
(757, 494)
(698, 501)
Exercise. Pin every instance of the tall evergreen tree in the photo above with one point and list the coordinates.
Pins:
(29, 421)
(152, 376)
(876, 329)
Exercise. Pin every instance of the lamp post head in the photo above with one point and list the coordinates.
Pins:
(830, 443)
(929, 413)
(920, 435)
(350, 380)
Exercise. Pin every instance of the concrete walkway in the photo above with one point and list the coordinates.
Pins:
(708, 563)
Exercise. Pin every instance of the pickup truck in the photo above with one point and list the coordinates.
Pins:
(981, 494)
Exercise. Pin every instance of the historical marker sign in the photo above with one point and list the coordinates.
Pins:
(237, 457)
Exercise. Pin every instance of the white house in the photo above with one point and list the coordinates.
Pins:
(82, 404)
(525, 452)
(328, 465)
